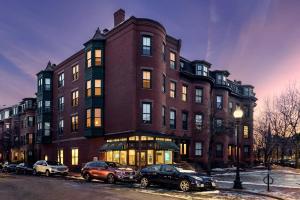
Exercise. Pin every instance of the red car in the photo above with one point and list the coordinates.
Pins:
(109, 172)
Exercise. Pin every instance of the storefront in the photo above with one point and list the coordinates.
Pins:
(139, 150)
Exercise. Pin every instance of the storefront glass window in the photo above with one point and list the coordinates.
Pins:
(159, 157)
(131, 157)
(168, 157)
(150, 157)
(116, 156)
(109, 156)
(123, 157)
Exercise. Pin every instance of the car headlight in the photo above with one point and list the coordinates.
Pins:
(197, 178)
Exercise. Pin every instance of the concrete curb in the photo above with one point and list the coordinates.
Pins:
(249, 192)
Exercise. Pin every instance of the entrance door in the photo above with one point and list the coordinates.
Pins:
(141, 159)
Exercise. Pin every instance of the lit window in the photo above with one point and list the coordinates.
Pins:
(47, 129)
(60, 156)
(75, 72)
(172, 119)
(98, 88)
(150, 157)
(47, 84)
(199, 95)
(201, 70)
(146, 48)
(219, 102)
(98, 56)
(89, 58)
(74, 120)
(184, 93)
(146, 79)
(97, 118)
(131, 157)
(172, 60)
(246, 132)
(198, 149)
(61, 126)
(123, 157)
(159, 157)
(168, 157)
(88, 118)
(46, 157)
(75, 98)
(198, 121)
(184, 120)
(116, 156)
(172, 89)
(61, 80)
(182, 149)
(108, 156)
(88, 88)
(75, 156)
(147, 113)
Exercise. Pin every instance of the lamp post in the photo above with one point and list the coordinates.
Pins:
(238, 114)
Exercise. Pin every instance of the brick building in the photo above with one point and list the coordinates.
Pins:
(129, 96)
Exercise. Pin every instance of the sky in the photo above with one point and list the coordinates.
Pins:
(257, 41)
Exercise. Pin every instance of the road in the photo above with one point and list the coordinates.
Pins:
(15, 187)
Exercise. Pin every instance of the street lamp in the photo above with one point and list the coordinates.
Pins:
(238, 114)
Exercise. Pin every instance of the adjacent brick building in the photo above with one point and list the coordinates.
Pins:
(129, 96)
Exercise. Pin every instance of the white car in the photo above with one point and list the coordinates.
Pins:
(50, 168)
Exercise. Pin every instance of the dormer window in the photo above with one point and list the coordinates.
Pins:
(248, 91)
(201, 70)
(221, 79)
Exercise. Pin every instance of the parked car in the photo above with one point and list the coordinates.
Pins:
(9, 167)
(50, 168)
(107, 171)
(24, 168)
(175, 176)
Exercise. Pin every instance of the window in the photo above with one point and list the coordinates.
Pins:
(230, 107)
(198, 149)
(61, 101)
(163, 88)
(184, 120)
(74, 125)
(61, 126)
(88, 88)
(184, 93)
(172, 89)
(47, 106)
(40, 106)
(131, 157)
(246, 151)
(61, 80)
(47, 84)
(30, 121)
(89, 58)
(198, 121)
(98, 88)
(219, 102)
(201, 70)
(30, 138)
(74, 156)
(60, 156)
(172, 119)
(181, 65)
(172, 60)
(75, 72)
(146, 48)
(246, 132)
(146, 79)
(123, 158)
(97, 117)
(88, 118)
(40, 84)
(47, 129)
(163, 113)
(219, 124)
(219, 150)
(75, 98)
(98, 56)
(159, 157)
(147, 113)
(182, 149)
(199, 95)
(168, 157)
(150, 157)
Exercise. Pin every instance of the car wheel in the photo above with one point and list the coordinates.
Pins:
(110, 178)
(144, 182)
(87, 177)
(48, 173)
(184, 185)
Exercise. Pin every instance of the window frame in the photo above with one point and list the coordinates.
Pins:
(75, 72)
(173, 90)
(146, 114)
(146, 81)
(74, 123)
(146, 48)
(75, 98)
(172, 62)
(172, 120)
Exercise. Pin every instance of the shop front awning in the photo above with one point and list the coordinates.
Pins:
(113, 146)
(166, 145)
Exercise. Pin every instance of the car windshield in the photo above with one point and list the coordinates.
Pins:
(53, 163)
(112, 164)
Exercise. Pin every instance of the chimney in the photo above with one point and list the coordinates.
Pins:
(119, 16)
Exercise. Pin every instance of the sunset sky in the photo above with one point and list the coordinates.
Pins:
(257, 41)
